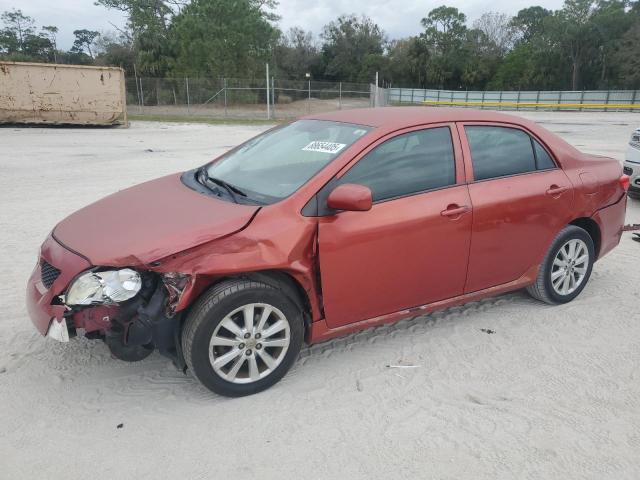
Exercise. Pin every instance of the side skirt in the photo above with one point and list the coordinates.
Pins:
(319, 332)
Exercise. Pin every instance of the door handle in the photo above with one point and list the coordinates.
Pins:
(454, 211)
(554, 190)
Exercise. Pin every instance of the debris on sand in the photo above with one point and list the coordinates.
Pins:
(487, 331)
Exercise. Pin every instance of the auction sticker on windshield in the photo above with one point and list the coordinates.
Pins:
(324, 147)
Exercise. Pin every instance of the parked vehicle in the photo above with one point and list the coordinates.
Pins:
(632, 165)
(323, 227)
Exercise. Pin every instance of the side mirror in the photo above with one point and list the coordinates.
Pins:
(350, 197)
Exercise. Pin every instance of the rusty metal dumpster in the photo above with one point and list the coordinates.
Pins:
(42, 93)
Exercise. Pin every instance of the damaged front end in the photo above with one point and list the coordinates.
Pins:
(133, 311)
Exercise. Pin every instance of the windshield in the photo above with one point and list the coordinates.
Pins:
(275, 164)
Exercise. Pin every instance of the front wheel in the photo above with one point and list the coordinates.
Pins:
(241, 337)
(566, 268)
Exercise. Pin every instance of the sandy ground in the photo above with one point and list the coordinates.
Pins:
(554, 393)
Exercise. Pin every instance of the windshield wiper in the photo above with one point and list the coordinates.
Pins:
(232, 190)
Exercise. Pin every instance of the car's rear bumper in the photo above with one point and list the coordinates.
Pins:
(611, 221)
(41, 298)
(632, 168)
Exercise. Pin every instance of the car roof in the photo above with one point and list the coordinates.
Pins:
(402, 117)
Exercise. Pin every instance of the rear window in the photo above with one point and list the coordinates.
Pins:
(499, 151)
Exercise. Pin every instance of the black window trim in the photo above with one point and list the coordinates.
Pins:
(535, 154)
(532, 137)
(413, 194)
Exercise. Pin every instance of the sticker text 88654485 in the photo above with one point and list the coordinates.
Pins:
(324, 147)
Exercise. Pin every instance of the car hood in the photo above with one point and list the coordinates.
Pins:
(149, 221)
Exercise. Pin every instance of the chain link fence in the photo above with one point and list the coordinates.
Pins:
(242, 98)
(246, 99)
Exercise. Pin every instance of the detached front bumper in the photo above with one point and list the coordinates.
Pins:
(55, 269)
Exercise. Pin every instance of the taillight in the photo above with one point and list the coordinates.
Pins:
(625, 181)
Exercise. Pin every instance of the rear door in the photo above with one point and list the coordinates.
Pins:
(412, 247)
(520, 198)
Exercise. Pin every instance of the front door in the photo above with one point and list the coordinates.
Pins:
(412, 247)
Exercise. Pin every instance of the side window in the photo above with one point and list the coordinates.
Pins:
(543, 160)
(409, 163)
(499, 151)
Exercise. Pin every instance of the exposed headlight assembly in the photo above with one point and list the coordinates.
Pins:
(109, 286)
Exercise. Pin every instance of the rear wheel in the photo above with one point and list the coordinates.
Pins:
(566, 268)
(242, 337)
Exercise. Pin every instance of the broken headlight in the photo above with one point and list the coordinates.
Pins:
(109, 286)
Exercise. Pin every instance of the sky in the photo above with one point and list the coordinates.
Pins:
(397, 18)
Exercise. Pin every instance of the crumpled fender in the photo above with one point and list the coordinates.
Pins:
(270, 242)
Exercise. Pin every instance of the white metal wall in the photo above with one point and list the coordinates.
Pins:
(560, 100)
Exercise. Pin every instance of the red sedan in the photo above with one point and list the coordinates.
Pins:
(322, 227)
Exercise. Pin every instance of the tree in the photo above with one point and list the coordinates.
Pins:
(37, 47)
(149, 22)
(408, 60)
(19, 42)
(445, 35)
(529, 66)
(610, 23)
(498, 31)
(628, 59)
(480, 57)
(8, 42)
(50, 33)
(586, 44)
(297, 53)
(116, 49)
(572, 28)
(352, 49)
(529, 22)
(537, 60)
(444, 28)
(222, 38)
(85, 39)
(18, 27)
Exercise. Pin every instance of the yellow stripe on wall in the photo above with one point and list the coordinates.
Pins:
(532, 104)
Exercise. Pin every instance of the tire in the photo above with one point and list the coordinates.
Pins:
(126, 353)
(634, 195)
(224, 355)
(550, 283)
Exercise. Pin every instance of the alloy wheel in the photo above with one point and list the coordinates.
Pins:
(570, 267)
(249, 343)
